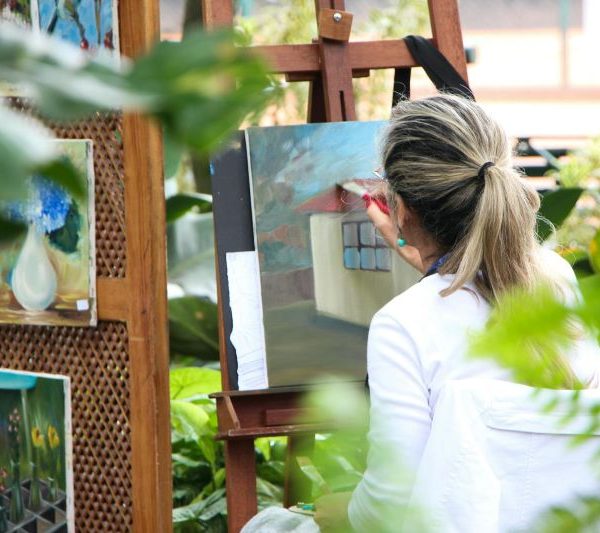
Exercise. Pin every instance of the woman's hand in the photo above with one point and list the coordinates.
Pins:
(331, 513)
(388, 231)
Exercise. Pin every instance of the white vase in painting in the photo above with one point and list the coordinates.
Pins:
(34, 279)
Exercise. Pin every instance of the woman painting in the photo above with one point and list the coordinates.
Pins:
(462, 215)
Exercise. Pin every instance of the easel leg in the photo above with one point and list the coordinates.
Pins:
(297, 486)
(240, 474)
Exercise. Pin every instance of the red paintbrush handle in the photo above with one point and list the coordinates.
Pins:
(379, 202)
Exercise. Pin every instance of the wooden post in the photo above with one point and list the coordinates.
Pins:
(216, 14)
(241, 482)
(447, 35)
(147, 278)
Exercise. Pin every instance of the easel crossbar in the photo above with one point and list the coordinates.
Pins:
(303, 59)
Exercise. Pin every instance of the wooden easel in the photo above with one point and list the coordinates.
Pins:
(329, 64)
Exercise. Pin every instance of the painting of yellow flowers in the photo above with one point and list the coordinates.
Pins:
(36, 480)
(48, 276)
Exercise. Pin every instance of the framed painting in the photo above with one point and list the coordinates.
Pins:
(324, 270)
(48, 276)
(90, 24)
(36, 467)
(22, 13)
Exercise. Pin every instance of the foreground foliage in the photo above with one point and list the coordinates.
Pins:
(199, 90)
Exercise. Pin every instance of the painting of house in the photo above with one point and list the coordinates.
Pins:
(324, 271)
(351, 261)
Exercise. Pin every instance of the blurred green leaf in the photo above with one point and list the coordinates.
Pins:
(311, 472)
(208, 446)
(200, 90)
(10, 230)
(579, 259)
(582, 516)
(555, 208)
(204, 88)
(201, 510)
(278, 449)
(528, 333)
(179, 204)
(173, 154)
(594, 250)
(268, 493)
(186, 383)
(63, 172)
(272, 471)
(193, 327)
(24, 148)
(589, 312)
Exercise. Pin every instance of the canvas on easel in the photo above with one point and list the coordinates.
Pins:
(329, 63)
(324, 269)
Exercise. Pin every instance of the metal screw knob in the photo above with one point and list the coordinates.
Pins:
(337, 17)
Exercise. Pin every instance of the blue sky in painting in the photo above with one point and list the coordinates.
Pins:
(292, 164)
(16, 380)
(67, 28)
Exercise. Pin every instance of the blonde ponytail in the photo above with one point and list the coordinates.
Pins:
(451, 164)
(500, 250)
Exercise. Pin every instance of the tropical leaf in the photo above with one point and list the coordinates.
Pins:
(188, 421)
(311, 472)
(187, 383)
(199, 510)
(555, 208)
(24, 148)
(179, 204)
(193, 327)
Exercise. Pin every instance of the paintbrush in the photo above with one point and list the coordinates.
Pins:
(359, 190)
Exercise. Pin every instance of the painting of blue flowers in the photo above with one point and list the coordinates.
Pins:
(90, 24)
(48, 277)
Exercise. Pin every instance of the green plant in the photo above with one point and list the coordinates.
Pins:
(580, 169)
(199, 498)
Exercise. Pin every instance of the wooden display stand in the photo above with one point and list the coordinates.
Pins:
(330, 63)
(119, 370)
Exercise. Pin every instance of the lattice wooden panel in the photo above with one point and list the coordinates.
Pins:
(96, 359)
(98, 363)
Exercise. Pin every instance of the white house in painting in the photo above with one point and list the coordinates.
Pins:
(355, 273)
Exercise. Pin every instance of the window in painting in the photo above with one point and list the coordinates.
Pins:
(364, 248)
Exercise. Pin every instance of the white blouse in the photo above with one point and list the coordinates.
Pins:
(417, 344)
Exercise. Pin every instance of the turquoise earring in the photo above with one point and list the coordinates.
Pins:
(401, 242)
